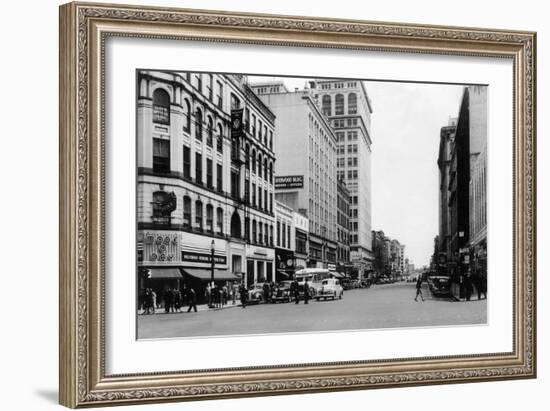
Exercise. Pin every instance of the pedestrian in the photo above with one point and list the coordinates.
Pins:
(296, 291)
(192, 299)
(419, 288)
(306, 292)
(483, 284)
(265, 288)
(243, 294)
(234, 290)
(149, 303)
(177, 300)
(154, 296)
(168, 300)
(468, 286)
(225, 294)
(221, 296)
(208, 295)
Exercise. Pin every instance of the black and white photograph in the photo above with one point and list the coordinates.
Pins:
(290, 204)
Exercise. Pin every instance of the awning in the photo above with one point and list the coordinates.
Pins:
(336, 274)
(206, 274)
(287, 275)
(165, 273)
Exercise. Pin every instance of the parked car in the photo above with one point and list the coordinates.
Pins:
(256, 293)
(330, 288)
(440, 285)
(282, 292)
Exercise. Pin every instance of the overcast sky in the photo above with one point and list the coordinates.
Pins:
(406, 123)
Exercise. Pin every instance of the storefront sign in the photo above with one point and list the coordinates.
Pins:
(202, 258)
(289, 182)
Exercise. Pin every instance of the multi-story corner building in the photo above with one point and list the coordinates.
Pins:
(397, 258)
(285, 241)
(305, 147)
(446, 144)
(469, 144)
(347, 106)
(342, 228)
(381, 248)
(203, 190)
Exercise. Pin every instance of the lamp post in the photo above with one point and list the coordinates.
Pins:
(212, 248)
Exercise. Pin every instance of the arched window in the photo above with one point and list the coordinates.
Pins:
(219, 220)
(235, 225)
(266, 173)
(198, 124)
(198, 214)
(327, 105)
(265, 135)
(219, 143)
(352, 103)
(271, 172)
(339, 104)
(259, 165)
(253, 161)
(187, 211)
(209, 218)
(210, 132)
(271, 140)
(161, 106)
(186, 116)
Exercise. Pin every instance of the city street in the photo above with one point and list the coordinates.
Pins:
(381, 306)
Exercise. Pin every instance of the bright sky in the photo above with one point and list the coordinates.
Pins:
(406, 122)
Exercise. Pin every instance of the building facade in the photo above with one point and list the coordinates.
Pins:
(194, 179)
(301, 236)
(285, 242)
(305, 147)
(343, 234)
(347, 106)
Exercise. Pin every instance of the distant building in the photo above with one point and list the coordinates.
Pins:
(348, 107)
(285, 242)
(301, 236)
(305, 147)
(478, 214)
(343, 234)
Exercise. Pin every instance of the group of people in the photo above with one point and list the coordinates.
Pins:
(218, 297)
(174, 301)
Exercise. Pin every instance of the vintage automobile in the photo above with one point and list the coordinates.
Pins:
(439, 285)
(256, 293)
(282, 292)
(330, 288)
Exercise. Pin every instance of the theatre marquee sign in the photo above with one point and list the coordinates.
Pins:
(282, 182)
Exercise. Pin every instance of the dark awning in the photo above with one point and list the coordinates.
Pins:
(206, 274)
(165, 273)
(287, 275)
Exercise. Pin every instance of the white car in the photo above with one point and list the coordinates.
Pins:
(330, 288)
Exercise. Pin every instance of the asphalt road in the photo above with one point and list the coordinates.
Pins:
(381, 306)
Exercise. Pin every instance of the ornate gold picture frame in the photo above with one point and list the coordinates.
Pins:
(84, 29)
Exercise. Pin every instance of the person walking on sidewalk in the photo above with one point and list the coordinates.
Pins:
(243, 293)
(419, 288)
(192, 299)
(306, 292)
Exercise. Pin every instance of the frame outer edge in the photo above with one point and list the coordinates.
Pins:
(68, 325)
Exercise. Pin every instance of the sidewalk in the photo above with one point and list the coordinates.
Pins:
(200, 307)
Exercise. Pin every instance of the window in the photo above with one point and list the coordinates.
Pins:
(270, 202)
(260, 232)
(271, 173)
(247, 228)
(235, 225)
(235, 103)
(352, 103)
(235, 184)
(283, 242)
(288, 236)
(219, 219)
(209, 218)
(247, 156)
(186, 116)
(161, 106)
(219, 178)
(271, 140)
(198, 81)
(326, 105)
(219, 143)
(271, 235)
(266, 174)
(253, 126)
(210, 133)
(198, 124)
(159, 200)
(253, 194)
(246, 190)
(265, 135)
(253, 231)
(186, 162)
(259, 197)
(187, 211)
(278, 233)
(198, 214)
(161, 155)
(266, 234)
(260, 131)
(209, 92)
(219, 96)
(339, 104)
(253, 161)
(209, 171)
(247, 120)
(259, 165)
(198, 168)
(265, 199)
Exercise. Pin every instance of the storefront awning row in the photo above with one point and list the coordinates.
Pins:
(206, 274)
(165, 273)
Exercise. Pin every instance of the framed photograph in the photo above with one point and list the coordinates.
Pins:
(263, 205)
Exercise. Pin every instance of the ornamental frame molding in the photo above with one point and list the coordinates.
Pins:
(84, 27)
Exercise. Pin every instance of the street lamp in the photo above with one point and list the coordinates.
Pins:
(212, 248)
